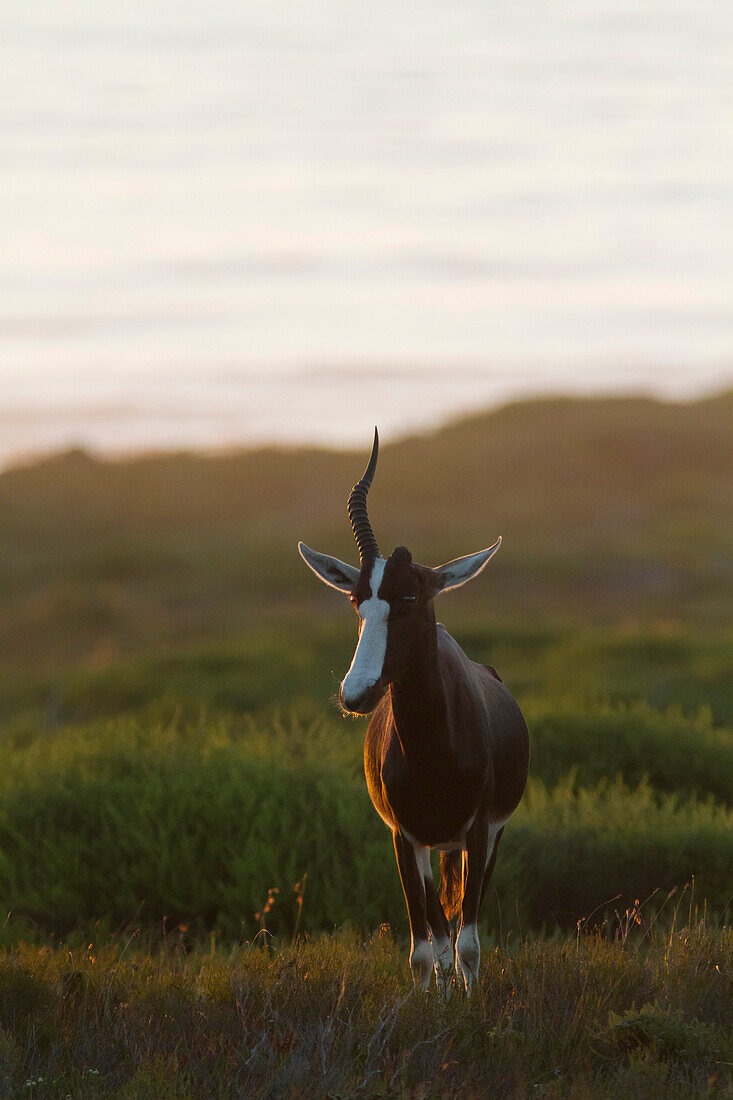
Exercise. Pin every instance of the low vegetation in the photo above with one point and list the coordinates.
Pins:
(200, 899)
(631, 1015)
(197, 822)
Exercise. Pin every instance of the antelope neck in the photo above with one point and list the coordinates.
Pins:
(418, 700)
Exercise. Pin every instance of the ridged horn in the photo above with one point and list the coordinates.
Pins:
(357, 509)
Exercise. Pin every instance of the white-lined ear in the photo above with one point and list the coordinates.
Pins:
(333, 572)
(455, 573)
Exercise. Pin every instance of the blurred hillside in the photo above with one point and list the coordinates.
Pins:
(167, 748)
(612, 511)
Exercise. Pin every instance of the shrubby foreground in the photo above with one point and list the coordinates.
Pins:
(638, 1014)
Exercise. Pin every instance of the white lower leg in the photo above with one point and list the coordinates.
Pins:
(468, 950)
(421, 962)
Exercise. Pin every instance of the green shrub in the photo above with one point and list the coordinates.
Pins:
(197, 824)
(675, 753)
(194, 825)
(667, 1033)
(574, 851)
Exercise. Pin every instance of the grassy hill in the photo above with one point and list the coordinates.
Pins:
(611, 510)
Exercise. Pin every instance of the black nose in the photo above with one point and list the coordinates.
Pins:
(366, 702)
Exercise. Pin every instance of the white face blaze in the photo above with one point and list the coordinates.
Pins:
(368, 662)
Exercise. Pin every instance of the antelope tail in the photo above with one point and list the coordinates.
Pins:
(451, 888)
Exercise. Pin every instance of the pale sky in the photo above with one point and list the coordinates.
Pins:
(219, 221)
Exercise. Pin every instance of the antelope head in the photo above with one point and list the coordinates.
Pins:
(392, 596)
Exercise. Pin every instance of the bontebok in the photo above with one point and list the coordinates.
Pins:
(447, 749)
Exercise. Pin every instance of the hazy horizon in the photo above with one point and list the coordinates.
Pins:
(114, 441)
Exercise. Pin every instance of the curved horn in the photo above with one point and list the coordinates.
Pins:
(357, 509)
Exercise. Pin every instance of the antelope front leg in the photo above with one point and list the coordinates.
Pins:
(479, 842)
(421, 953)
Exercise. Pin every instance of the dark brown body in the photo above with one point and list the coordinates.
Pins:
(466, 756)
(446, 760)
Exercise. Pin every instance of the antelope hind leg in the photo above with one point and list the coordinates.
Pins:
(481, 842)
